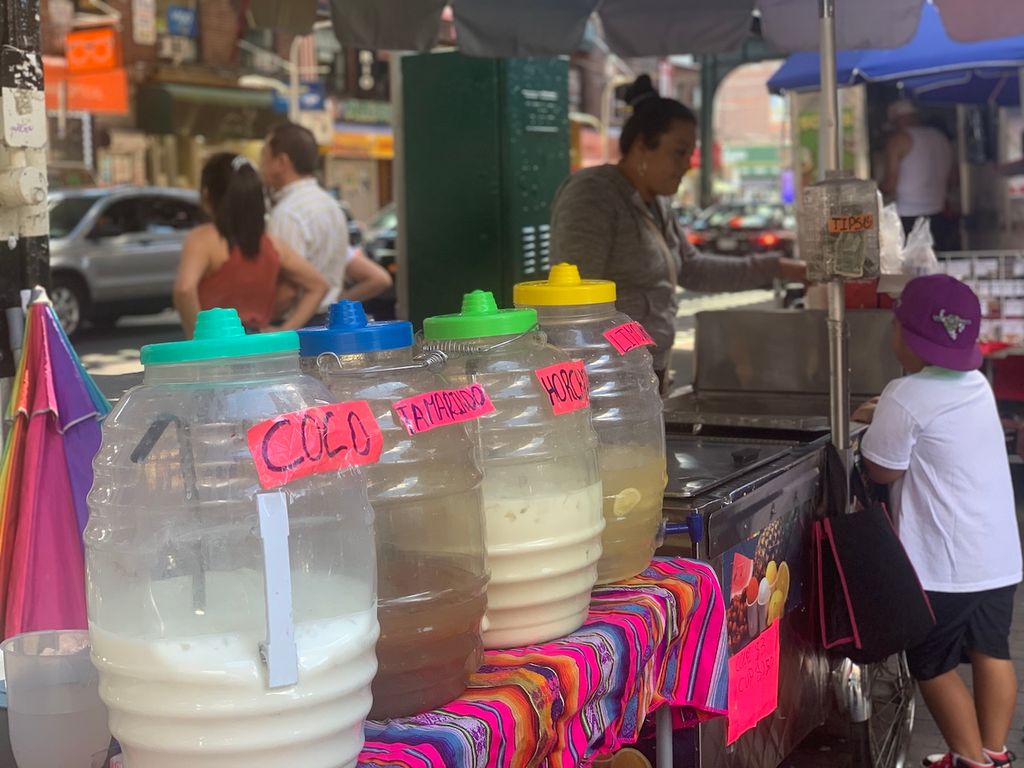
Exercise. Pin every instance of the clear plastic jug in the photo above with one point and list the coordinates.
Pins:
(625, 403)
(207, 656)
(425, 492)
(542, 487)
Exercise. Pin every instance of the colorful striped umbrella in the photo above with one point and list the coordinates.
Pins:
(45, 476)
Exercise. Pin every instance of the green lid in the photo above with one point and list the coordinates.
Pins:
(219, 334)
(480, 318)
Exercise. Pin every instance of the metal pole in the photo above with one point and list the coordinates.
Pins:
(663, 736)
(829, 139)
(398, 181)
(24, 215)
(293, 79)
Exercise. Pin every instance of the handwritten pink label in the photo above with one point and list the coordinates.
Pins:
(753, 683)
(566, 386)
(445, 406)
(628, 336)
(324, 438)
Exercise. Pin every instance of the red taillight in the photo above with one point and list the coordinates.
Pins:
(768, 240)
(694, 238)
(736, 223)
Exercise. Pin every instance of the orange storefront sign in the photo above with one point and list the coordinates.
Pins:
(376, 146)
(91, 50)
(103, 92)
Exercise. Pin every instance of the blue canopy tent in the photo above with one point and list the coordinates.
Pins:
(998, 85)
(932, 65)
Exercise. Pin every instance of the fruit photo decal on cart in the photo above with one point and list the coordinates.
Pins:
(763, 578)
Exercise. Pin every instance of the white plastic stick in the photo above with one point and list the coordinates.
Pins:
(278, 651)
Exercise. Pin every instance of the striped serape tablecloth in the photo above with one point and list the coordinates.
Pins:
(652, 640)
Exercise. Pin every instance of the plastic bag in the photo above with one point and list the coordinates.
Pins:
(919, 253)
(890, 240)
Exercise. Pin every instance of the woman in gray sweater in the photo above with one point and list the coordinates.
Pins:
(615, 223)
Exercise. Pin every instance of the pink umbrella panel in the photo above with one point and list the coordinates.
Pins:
(45, 477)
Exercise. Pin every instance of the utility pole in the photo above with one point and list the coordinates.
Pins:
(24, 214)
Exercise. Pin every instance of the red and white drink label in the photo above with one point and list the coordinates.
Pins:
(628, 336)
(566, 385)
(442, 407)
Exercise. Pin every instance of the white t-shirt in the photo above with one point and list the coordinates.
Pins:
(954, 506)
(309, 220)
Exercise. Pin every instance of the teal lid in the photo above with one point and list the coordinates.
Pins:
(219, 334)
(480, 318)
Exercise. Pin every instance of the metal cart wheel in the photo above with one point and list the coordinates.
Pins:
(879, 702)
(893, 702)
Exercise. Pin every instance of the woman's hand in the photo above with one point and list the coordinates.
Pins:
(866, 413)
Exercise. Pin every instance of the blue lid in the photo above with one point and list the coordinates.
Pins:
(349, 333)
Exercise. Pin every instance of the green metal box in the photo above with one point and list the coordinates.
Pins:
(486, 146)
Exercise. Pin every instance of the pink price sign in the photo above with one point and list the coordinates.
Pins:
(325, 438)
(628, 336)
(445, 406)
(566, 386)
(753, 683)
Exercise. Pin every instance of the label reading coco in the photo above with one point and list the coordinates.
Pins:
(628, 336)
(445, 406)
(324, 438)
(566, 386)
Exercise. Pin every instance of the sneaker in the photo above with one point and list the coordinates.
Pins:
(1002, 759)
(949, 760)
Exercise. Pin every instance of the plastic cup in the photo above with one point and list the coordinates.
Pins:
(54, 709)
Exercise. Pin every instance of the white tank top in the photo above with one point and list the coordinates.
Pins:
(924, 173)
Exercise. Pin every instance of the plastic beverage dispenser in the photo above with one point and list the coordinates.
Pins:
(541, 487)
(231, 586)
(579, 317)
(425, 492)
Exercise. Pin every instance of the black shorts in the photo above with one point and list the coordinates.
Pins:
(965, 622)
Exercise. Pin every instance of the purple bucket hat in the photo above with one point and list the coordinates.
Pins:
(940, 318)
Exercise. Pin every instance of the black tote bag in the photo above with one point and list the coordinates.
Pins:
(868, 601)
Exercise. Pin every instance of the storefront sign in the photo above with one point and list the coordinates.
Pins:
(566, 386)
(364, 111)
(753, 683)
(374, 146)
(181, 21)
(144, 22)
(443, 407)
(92, 50)
(94, 92)
(322, 439)
(628, 336)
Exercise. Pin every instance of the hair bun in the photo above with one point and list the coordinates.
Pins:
(640, 90)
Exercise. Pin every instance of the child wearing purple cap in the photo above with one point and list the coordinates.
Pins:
(936, 437)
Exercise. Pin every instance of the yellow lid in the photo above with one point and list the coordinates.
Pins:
(564, 287)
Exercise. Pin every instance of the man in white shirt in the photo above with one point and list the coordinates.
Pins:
(920, 169)
(309, 220)
(936, 437)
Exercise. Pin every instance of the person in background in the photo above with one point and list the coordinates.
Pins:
(232, 262)
(309, 220)
(920, 171)
(936, 438)
(615, 222)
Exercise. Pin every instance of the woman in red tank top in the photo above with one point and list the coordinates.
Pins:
(232, 262)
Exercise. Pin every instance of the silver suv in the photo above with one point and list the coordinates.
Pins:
(115, 251)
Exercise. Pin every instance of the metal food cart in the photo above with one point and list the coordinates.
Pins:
(744, 449)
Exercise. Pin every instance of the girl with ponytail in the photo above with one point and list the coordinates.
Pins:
(232, 262)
